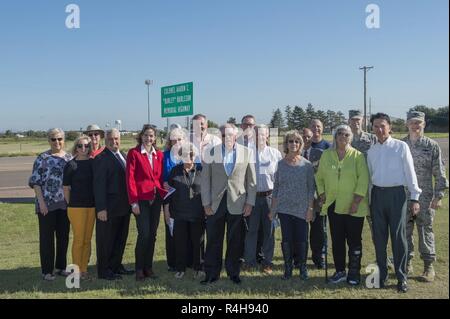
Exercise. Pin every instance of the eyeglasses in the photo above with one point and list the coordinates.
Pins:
(294, 141)
(54, 139)
(94, 134)
(343, 134)
(85, 145)
(176, 140)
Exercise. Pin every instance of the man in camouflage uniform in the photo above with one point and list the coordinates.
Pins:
(426, 154)
(362, 141)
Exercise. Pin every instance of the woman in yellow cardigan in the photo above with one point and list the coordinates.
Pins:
(342, 184)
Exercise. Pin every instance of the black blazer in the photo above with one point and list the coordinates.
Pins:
(110, 188)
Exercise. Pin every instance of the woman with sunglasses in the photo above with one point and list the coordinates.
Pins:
(47, 182)
(342, 184)
(292, 201)
(187, 211)
(175, 137)
(79, 195)
(96, 134)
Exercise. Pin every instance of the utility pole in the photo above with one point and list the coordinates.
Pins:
(365, 68)
(148, 83)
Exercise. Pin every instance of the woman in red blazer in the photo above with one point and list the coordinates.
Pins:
(145, 193)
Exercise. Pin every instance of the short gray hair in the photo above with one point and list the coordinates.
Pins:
(54, 131)
(111, 131)
(228, 125)
(342, 127)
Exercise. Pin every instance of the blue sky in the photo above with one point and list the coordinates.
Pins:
(243, 57)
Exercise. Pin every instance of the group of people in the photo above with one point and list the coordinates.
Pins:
(202, 182)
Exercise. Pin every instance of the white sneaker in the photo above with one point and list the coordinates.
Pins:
(48, 277)
(179, 274)
(199, 274)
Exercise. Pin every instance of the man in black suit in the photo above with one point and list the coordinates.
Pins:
(112, 208)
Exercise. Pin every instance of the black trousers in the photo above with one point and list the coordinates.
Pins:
(187, 237)
(316, 238)
(344, 228)
(147, 223)
(54, 224)
(215, 231)
(111, 239)
(388, 211)
(293, 229)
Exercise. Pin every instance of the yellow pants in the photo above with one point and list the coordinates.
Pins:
(82, 221)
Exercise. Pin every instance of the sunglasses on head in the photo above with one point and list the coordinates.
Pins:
(85, 145)
(294, 141)
(54, 139)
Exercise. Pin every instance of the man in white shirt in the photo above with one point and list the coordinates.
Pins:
(267, 159)
(200, 137)
(391, 169)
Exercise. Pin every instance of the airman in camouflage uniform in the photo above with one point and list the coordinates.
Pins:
(427, 163)
(362, 141)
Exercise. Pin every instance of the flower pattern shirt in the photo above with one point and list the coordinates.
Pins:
(48, 174)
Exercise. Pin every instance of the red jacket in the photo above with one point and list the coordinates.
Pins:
(142, 180)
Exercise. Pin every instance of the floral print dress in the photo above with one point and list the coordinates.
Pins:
(48, 174)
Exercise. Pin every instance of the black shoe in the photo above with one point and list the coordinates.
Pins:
(123, 271)
(402, 286)
(236, 279)
(110, 276)
(209, 280)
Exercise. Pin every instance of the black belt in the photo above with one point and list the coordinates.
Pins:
(387, 188)
(264, 194)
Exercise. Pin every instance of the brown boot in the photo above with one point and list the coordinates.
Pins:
(140, 275)
(428, 272)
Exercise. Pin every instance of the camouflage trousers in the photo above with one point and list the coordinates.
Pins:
(424, 224)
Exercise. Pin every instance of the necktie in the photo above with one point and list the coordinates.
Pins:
(120, 160)
(305, 155)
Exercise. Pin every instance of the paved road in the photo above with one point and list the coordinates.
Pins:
(14, 174)
(15, 171)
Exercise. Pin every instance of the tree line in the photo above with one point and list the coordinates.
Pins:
(297, 117)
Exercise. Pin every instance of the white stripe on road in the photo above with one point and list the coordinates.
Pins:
(14, 187)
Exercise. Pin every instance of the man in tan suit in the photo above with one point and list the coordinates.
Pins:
(228, 191)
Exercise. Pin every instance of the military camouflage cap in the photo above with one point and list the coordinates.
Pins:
(354, 113)
(415, 115)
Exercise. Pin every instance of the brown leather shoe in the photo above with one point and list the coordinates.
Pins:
(140, 275)
(148, 273)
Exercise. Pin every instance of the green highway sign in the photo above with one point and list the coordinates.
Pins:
(177, 100)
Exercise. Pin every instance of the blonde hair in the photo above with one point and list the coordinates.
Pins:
(294, 134)
(78, 140)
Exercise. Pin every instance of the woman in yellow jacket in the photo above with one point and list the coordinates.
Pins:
(342, 184)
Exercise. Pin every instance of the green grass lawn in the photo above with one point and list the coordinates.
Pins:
(32, 147)
(20, 270)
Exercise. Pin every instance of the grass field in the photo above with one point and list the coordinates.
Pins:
(20, 271)
(11, 147)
